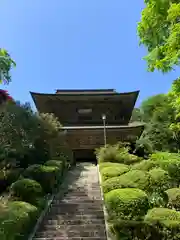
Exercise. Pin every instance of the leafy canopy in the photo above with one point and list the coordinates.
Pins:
(6, 64)
(159, 31)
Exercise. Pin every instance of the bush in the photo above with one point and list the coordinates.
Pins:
(27, 190)
(108, 164)
(109, 172)
(16, 220)
(169, 162)
(131, 179)
(48, 176)
(159, 180)
(145, 165)
(117, 154)
(126, 204)
(174, 198)
(7, 177)
(166, 223)
(56, 163)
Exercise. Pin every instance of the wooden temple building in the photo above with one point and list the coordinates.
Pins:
(80, 112)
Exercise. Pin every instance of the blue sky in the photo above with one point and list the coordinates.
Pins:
(76, 44)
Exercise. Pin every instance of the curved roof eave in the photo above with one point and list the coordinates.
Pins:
(86, 93)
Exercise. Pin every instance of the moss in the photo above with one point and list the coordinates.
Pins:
(113, 171)
(126, 204)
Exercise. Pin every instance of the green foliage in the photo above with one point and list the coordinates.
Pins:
(159, 32)
(27, 190)
(7, 177)
(174, 198)
(165, 221)
(6, 63)
(115, 153)
(169, 162)
(158, 114)
(144, 165)
(16, 220)
(159, 180)
(110, 172)
(108, 164)
(126, 204)
(165, 216)
(132, 179)
(56, 163)
(47, 176)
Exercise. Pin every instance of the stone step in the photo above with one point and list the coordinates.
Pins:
(82, 200)
(73, 221)
(66, 206)
(72, 238)
(79, 214)
(73, 232)
(79, 227)
(72, 211)
(77, 217)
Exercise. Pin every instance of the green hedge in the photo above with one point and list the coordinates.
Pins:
(56, 163)
(48, 176)
(144, 165)
(16, 220)
(113, 171)
(108, 164)
(174, 198)
(132, 179)
(126, 204)
(165, 222)
(27, 190)
(116, 154)
(159, 180)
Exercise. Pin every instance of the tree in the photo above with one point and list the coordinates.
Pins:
(136, 115)
(159, 31)
(158, 114)
(6, 64)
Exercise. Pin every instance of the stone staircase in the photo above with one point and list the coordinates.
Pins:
(78, 215)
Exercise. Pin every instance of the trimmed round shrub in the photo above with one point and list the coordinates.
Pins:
(164, 216)
(17, 219)
(56, 163)
(145, 165)
(126, 204)
(108, 164)
(48, 176)
(159, 180)
(27, 190)
(164, 223)
(110, 172)
(174, 198)
(132, 179)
